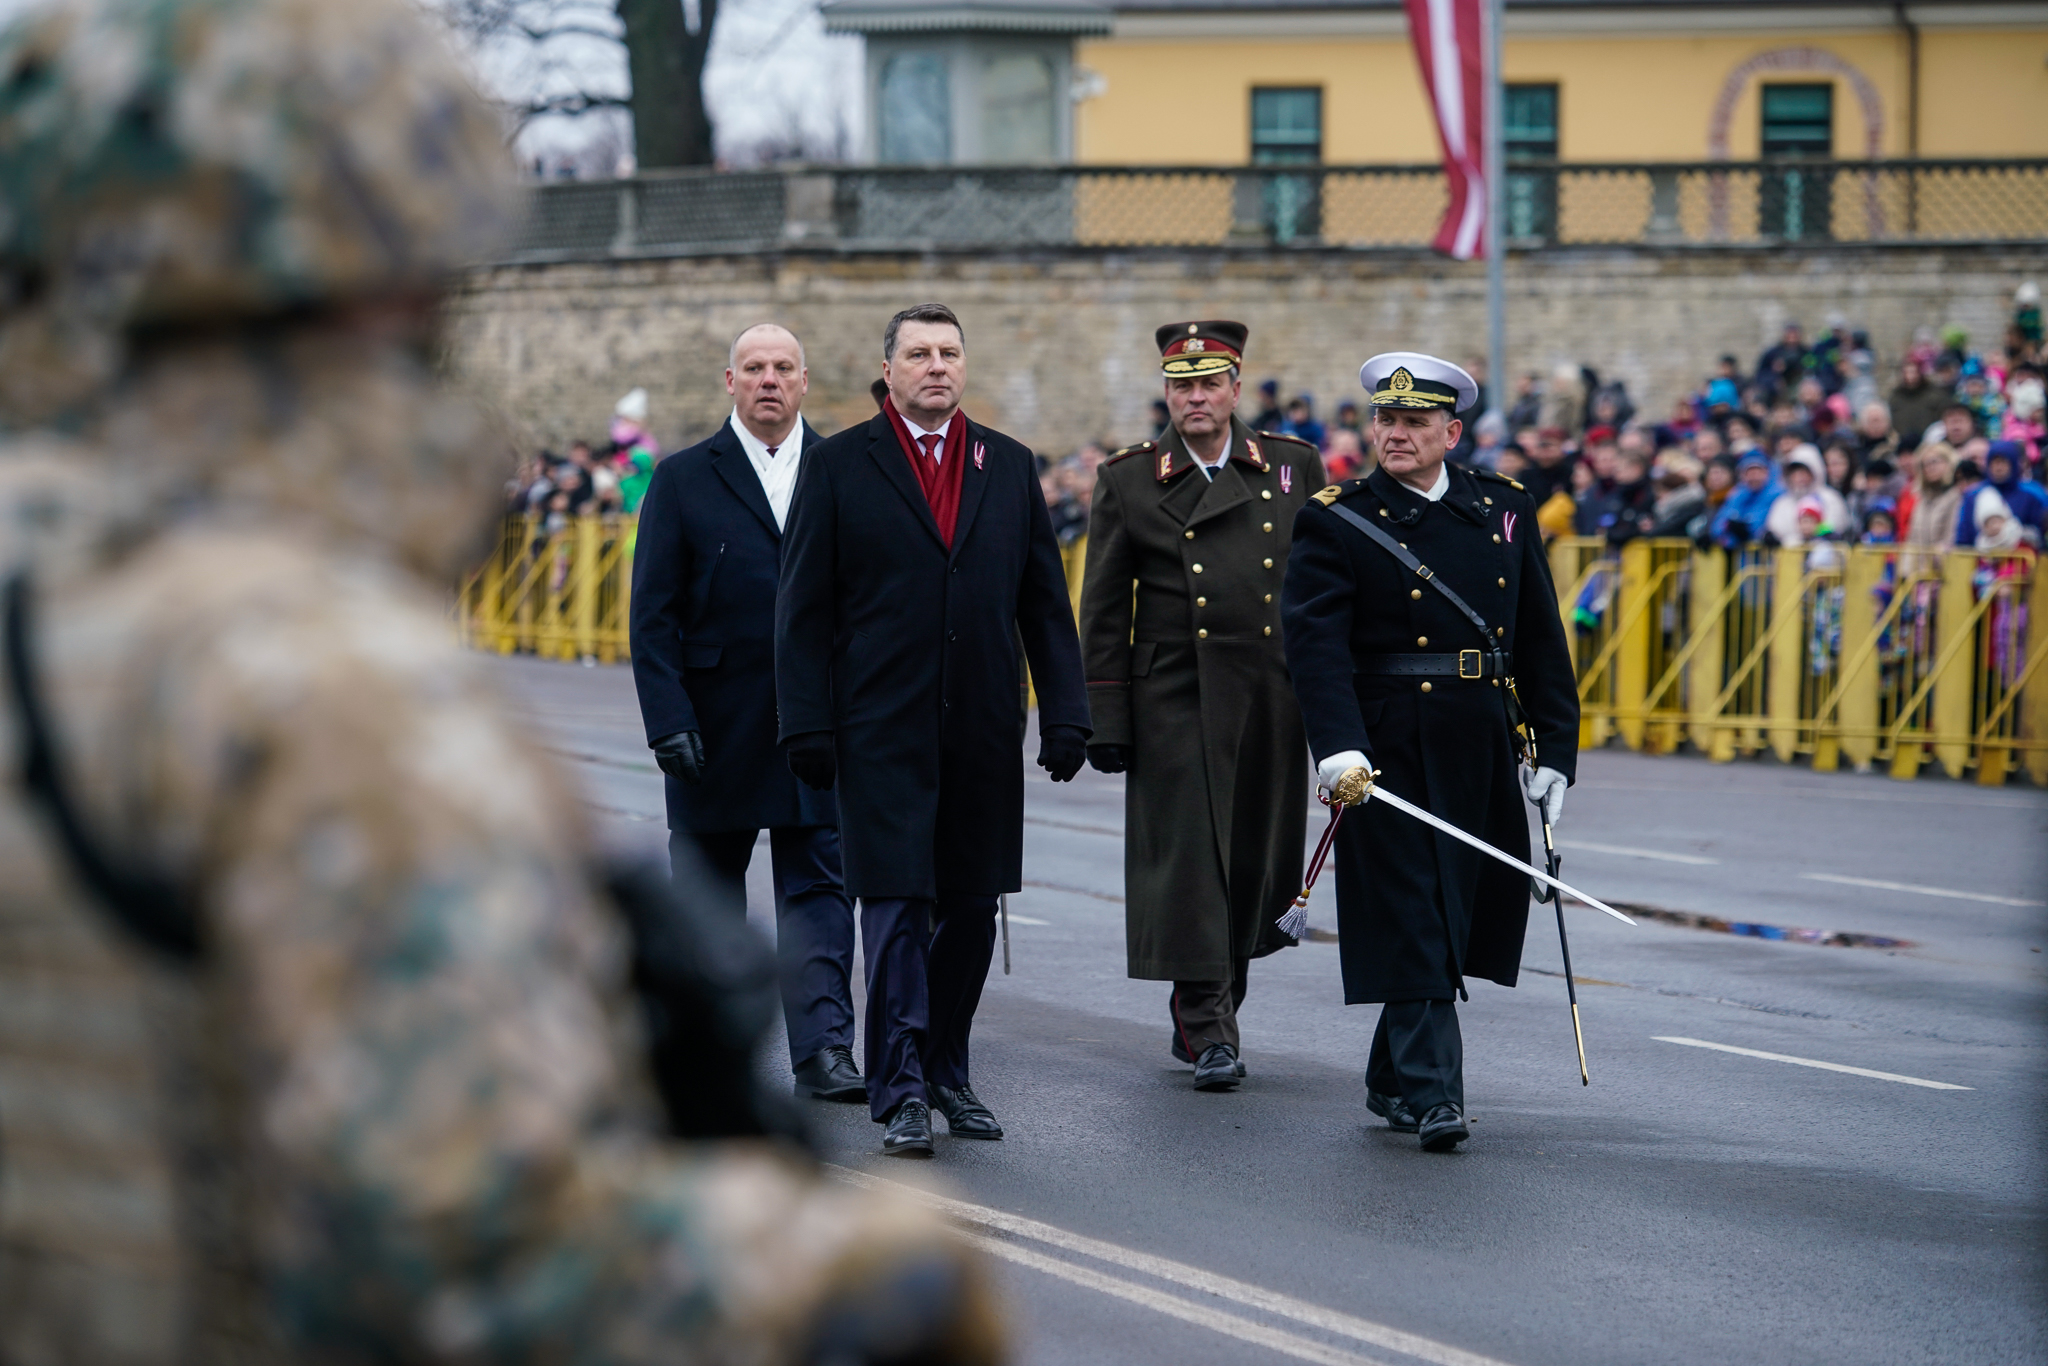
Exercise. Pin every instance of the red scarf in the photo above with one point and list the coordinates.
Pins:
(940, 482)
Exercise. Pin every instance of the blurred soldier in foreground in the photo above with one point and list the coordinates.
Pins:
(1187, 689)
(315, 1033)
(1420, 620)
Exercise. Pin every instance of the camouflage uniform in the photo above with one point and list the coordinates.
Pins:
(396, 1110)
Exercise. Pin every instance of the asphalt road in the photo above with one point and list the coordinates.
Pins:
(1692, 1205)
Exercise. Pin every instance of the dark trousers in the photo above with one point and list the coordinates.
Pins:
(926, 961)
(1205, 1013)
(1418, 1054)
(813, 921)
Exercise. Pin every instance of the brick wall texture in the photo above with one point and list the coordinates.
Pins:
(1059, 345)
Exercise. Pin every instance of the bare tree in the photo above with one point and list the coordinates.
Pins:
(563, 59)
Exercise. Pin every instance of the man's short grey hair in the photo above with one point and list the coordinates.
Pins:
(919, 313)
(732, 355)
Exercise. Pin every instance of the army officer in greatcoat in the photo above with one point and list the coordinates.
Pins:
(1418, 607)
(1188, 690)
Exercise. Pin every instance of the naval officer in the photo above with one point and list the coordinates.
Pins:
(1188, 691)
(1420, 619)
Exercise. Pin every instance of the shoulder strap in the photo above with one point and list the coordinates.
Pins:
(1416, 567)
(141, 902)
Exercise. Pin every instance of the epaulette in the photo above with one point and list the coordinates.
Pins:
(1500, 479)
(1336, 491)
(1282, 436)
(1139, 449)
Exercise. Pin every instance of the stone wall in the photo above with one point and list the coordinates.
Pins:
(1059, 344)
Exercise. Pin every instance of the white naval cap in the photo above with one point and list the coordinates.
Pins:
(1409, 379)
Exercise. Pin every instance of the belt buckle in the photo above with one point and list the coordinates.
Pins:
(1472, 655)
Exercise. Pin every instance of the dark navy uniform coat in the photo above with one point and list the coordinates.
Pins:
(908, 653)
(705, 570)
(1417, 911)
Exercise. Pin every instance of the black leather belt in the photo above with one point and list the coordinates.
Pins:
(1463, 664)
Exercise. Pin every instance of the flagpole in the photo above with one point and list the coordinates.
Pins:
(1496, 196)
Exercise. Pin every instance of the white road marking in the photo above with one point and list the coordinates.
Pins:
(1948, 892)
(1179, 1273)
(1630, 851)
(1813, 1062)
(1173, 1306)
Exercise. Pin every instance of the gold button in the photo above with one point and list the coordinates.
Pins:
(1269, 526)
(1425, 687)
(1189, 534)
(1198, 569)
(1496, 682)
(1415, 593)
(1422, 640)
(1489, 502)
(1383, 512)
(1269, 597)
(1496, 540)
(1204, 635)
(1265, 493)
(1269, 564)
(1201, 602)
(1503, 583)
(1269, 630)
(1500, 630)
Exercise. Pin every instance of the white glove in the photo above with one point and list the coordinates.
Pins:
(1337, 765)
(1545, 788)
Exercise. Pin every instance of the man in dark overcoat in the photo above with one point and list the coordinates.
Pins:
(705, 569)
(1188, 690)
(920, 555)
(1395, 675)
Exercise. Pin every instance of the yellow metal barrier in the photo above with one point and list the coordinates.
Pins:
(1867, 656)
(1863, 654)
(561, 592)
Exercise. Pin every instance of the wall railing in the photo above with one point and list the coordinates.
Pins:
(1868, 657)
(1359, 208)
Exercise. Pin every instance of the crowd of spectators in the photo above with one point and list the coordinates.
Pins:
(590, 479)
(1808, 446)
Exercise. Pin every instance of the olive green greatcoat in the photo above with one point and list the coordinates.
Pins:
(1189, 672)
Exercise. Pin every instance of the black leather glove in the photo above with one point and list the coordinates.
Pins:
(1061, 750)
(1109, 758)
(812, 759)
(681, 755)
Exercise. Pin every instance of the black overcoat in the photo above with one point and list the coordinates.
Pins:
(705, 567)
(1188, 672)
(1418, 912)
(908, 654)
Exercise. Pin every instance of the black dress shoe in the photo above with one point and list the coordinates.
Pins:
(1217, 1071)
(1443, 1129)
(829, 1074)
(1394, 1110)
(1180, 1053)
(966, 1116)
(910, 1130)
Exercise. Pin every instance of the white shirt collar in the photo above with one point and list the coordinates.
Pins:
(917, 434)
(1435, 492)
(1208, 470)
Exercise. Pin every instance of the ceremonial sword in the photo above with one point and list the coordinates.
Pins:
(1483, 847)
(1003, 902)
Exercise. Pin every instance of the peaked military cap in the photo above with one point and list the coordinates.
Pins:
(1409, 379)
(1200, 348)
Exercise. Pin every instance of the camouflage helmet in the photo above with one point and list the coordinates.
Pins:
(165, 163)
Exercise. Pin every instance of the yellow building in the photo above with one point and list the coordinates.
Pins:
(1227, 82)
